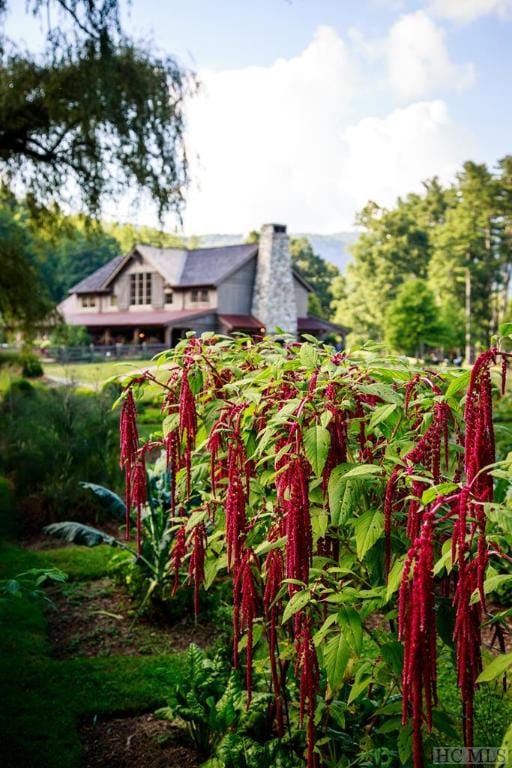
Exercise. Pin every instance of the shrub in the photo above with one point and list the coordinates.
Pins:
(31, 366)
(340, 494)
(50, 439)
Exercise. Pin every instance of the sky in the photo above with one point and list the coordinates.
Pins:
(309, 108)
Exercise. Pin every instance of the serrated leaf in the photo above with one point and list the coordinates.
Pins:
(368, 529)
(351, 624)
(336, 656)
(317, 440)
(297, 602)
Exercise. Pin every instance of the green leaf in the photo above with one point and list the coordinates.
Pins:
(368, 529)
(336, 656)
(308, 356)
(363, 470)
(351, 624)
(405, 744)
(316, 443)
(505, 329)
(433, 493)
(497, 667)
(297, 602)
(341, 494)
(491, 585)
(381, 414)
(395, 577)
(266, 546)
(458, 383)
(358, 687)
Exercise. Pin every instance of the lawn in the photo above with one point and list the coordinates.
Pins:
(47, 698)
(94, 373)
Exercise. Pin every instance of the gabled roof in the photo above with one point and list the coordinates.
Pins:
(180, 268)
(94, 283)
(210, 266)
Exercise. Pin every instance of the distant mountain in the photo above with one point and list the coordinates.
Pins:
(333, 248)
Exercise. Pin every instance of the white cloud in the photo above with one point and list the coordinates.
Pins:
(469, 10)
(283, 143)
(391, 156)
(418, 61)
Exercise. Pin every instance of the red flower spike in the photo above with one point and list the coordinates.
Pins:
(178, 553)
(129, 445)
(196, 563)
(188, 424)
(307, 667)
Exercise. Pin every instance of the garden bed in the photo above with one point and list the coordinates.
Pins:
(97, 619)
(136, 741)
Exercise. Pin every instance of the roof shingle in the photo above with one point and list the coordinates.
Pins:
(179, 267)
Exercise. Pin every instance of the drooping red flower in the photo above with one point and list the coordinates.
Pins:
(307, 667)
(196, 562)
(129, 445)
(188, 424)
(178, 553)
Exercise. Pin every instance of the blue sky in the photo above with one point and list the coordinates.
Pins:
(309, 108)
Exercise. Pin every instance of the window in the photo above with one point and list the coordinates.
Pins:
(113, 300)
(168, 296)
(199, 295)
(140, 288)
(88, 301)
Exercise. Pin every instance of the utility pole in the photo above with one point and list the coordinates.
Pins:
(468, 355)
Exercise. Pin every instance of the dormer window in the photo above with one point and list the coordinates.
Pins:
(168, 295)
(88, 301)
(140, 288)
(200, 296)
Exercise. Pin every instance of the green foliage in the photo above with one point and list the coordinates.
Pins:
(93, 114)
(435, 236)
(412, 320)
(50, 440)
(206, 700)
(31, 367)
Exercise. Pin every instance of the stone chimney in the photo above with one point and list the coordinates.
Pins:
(274, 292)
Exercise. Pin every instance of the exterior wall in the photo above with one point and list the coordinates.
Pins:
(235, 293)
(274, 295)
(187, 303)
(301, 298)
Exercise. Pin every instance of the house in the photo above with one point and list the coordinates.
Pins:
(156, 295)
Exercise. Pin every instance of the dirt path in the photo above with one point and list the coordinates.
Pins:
(98, 618)
(136, 742)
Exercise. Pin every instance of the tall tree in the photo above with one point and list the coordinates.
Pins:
(412, 319)
(393, 247)
(467, 253)
(95, 114)
(319, 273)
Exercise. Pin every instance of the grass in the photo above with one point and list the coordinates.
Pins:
(94, 373)
(44, 699)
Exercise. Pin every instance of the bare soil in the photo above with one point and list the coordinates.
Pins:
(97, 619)
(136, 742)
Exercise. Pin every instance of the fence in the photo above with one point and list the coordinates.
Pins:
(96, 354)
